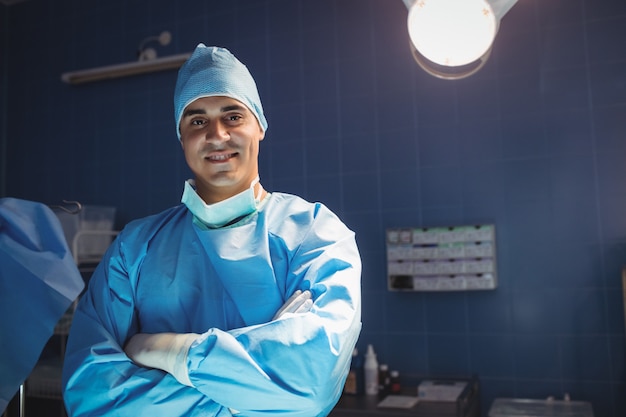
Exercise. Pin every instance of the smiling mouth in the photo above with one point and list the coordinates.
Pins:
(221, 157)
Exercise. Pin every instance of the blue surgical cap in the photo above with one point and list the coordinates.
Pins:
(213, 71)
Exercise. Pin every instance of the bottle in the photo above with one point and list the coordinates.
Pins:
(384, 380)
(351, 387)
(396, 388)
(371, 371)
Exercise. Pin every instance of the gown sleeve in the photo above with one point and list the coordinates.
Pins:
(98, 377)
(296, 365)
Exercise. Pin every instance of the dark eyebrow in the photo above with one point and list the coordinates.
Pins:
(193, 112)
(232, 107)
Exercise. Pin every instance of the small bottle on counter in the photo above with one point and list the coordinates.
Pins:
(384, 380)
(371, 371)
(396, 387)
(354, 385)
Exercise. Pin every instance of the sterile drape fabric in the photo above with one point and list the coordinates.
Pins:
(38, 282)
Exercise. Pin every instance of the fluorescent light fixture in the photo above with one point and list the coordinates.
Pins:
(125, 70)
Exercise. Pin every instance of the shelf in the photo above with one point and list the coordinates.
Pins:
(456, 258)
(124, 70)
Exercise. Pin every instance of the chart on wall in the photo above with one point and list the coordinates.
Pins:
(456, 258)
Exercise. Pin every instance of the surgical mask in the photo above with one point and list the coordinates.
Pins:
(221, 213)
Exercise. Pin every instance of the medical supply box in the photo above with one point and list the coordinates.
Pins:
(89, 231)
(440, 390)
(509, 407)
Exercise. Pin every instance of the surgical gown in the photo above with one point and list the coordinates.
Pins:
(168, 273)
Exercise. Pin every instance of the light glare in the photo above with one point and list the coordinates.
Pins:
(452, 32)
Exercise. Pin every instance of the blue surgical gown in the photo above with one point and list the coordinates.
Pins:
(167, 273)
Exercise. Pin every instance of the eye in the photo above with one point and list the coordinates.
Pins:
(197, 122)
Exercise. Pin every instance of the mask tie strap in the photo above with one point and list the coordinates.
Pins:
(257, 196)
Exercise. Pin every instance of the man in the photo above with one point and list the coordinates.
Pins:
(236, 302)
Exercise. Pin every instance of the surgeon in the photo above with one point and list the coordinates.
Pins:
(237, 302)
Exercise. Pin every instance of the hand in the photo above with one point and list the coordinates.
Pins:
(299, 302)
(165, 351)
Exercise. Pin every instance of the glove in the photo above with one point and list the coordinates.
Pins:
(299, 302)
(165, 351)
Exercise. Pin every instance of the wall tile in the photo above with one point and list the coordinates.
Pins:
(448, 354)
(489, 312)
(601, 35)
(585, 358)
(398, 190)
(536, 357)
(607, 83)
(323, 156)
(492, 354)
(446, 312)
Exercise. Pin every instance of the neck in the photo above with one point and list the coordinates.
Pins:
(212, 195)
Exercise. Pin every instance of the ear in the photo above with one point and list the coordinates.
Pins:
(261, 134)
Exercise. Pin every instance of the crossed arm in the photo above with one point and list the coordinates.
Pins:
(169, 351)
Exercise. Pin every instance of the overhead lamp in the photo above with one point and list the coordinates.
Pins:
(452, 39)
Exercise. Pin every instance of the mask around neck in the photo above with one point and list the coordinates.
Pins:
(221, 213)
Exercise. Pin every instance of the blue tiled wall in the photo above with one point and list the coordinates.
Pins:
(534, 143)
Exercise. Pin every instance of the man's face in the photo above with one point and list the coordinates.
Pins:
(220, 138)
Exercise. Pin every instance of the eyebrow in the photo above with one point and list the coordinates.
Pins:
(193, 112)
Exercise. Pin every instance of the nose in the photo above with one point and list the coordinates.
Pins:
(217, 131)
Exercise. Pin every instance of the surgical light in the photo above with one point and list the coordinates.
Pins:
(452, 39)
